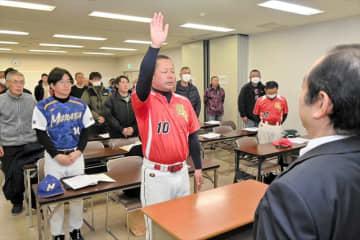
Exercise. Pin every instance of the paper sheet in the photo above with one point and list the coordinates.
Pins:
(211, 135)
(251, 129)
(130, 146)
(298, 140)
(85, 180)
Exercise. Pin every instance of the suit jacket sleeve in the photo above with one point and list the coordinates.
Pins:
(283, 214)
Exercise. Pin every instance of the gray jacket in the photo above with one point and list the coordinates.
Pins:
(15, 119)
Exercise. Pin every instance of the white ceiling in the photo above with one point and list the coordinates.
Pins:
(71, 17)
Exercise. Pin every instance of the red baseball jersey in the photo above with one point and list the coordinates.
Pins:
(165, 127)
(271, 110)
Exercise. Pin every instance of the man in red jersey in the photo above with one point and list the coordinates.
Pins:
(272, 110)
(167, 125)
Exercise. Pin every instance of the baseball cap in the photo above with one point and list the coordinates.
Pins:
(49, 186)
(282, 143)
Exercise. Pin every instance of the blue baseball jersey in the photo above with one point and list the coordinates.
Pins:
(62, 121)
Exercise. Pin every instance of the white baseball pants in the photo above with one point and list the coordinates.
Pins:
(159, 186)
(51, 166)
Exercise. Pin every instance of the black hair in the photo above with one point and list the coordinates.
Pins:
(254, 70)
(338, 75)
(271, 85)
(94, 75)
(117, 80)
(56, 75)
(43, 75)
(10, 69)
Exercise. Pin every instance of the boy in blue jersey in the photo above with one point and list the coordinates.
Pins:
(61, 123)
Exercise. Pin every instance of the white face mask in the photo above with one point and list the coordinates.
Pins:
(97, 83)
(2, 80)
(186, 77)
(255, 80)
(272, 96)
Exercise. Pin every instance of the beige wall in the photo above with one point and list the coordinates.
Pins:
(135, 61)
(32, 66)
(224, 64)
(192, 56)
(229, 61)
(286, 56)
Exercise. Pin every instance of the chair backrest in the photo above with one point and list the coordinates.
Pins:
(40, 169)
(246, 141)
(222, 129)
(228, 123)
(113, 163)
(94, 145)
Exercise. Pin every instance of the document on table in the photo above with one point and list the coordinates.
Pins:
(85, 180)
(251, 129)
(130, 146)
(105, 135)
(210, 135)
(298, 140)
(213, 122)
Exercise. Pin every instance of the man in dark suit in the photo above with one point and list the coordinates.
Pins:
(318, 196)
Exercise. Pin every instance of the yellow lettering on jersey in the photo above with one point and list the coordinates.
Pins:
(181, 111)
(277, 106)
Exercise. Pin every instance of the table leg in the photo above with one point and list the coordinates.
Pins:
(39, 222)
(259, 168)
(237, 160)
(46, 223)
(29, 203)
(215, 178)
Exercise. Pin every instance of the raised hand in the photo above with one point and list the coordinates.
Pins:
(158, 31)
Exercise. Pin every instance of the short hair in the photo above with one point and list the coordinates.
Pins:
(43, 75)
(118, 79)
(161, 57)
(10, 74)
(338, 75)
(94, 75)
(271, 85)
(213, 78)
(254, 70)
(77, 74)
(57, 74)
(185, 68)
(10, 69)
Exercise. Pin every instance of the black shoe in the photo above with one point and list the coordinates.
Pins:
(59, 237)
(76, 235)
(17, 209)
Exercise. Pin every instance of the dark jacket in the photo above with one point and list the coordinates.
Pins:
(247, 100)
(317, 197)
(95, 97)
(77, 92)
(120, 115)
(192, 94)
(39, 91)
(214, 100)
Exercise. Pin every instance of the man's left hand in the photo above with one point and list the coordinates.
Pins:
(75, 155)
(198, 178)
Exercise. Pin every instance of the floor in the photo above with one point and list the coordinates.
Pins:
(16, 227)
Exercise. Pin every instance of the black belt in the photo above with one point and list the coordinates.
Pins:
(67, 151)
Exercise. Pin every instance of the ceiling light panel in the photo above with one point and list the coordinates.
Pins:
(290, 7)
(119, 16)
(32, 6)
(79, 37)
(206, 27)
